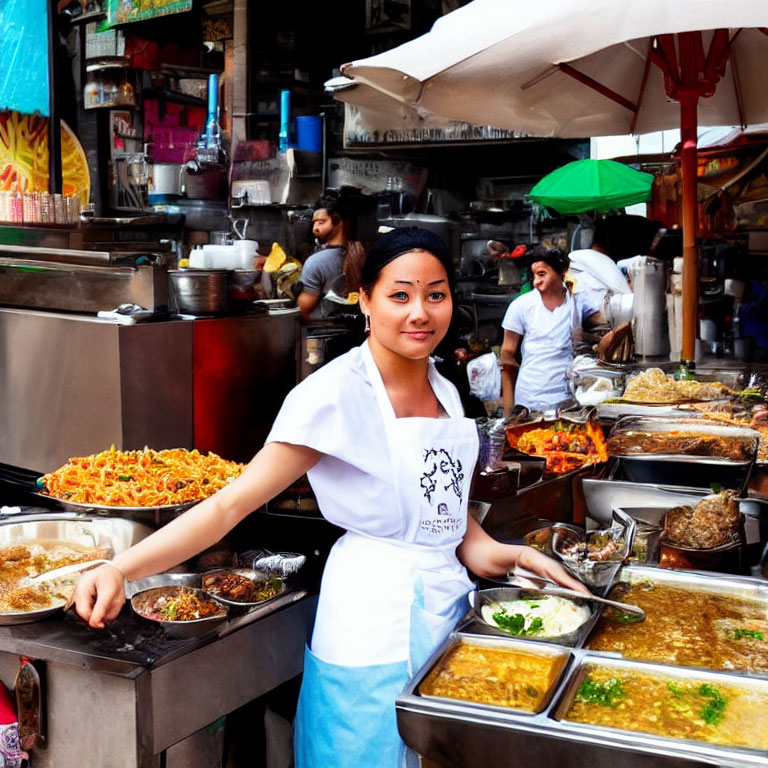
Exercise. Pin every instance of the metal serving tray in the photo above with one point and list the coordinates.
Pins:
(464, 735)
(111, 535)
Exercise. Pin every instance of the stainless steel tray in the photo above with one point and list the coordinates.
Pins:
(77, 506)
(464, 735)
(110, 534)
(650, 424)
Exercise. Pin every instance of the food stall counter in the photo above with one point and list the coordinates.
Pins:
(124, 695)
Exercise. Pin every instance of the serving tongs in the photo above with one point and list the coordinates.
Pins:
(529, 583)
(526, 593)
(572, 547)
(64, 570)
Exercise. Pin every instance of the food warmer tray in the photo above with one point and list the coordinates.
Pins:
(681, 469)
(463, 734)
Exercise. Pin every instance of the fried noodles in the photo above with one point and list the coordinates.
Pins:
(145, 478)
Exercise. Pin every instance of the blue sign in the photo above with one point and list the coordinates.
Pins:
(24, 83)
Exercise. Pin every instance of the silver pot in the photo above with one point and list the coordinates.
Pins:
(199, 291)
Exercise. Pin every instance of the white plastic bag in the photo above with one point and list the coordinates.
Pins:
(484, 377)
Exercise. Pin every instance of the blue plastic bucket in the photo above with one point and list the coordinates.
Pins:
(309, 133)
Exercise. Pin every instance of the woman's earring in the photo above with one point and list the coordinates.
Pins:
(367, 323)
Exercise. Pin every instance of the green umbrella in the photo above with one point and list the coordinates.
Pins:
(592, 185)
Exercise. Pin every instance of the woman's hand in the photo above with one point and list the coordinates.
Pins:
(99, 595)
(489, 558)
(542, 565)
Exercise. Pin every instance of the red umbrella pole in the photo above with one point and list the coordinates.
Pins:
(688, 122)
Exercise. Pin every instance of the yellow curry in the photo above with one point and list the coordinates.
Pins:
(687, 627)
(672, 706)
(491, 675)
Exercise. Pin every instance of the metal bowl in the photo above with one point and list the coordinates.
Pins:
(507, 594)
(572, 547)
(257, 577)
(142, 601)
(199, 291)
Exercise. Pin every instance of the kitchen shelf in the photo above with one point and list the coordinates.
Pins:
(177, 97)
(106, 62)
(84, 18)
(113, 105)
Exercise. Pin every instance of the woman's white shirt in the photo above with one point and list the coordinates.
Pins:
(335, 412)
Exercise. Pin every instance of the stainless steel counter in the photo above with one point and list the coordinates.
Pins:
(119, 698)
(72, 385)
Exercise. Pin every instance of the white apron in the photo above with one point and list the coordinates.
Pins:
(386, 603)
(547, 351)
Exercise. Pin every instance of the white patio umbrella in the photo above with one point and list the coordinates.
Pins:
(577, 68)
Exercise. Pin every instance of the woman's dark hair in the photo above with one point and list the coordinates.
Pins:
(551, 257)
(397, 242)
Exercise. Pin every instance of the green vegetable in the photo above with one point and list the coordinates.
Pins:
(684, 701)
(515, 623)
(713, 710)
(125, 477)
(715, 487)
(752, 634)
(532, 604)
(607, 694)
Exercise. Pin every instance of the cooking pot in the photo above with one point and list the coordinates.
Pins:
(164, 179)
(199, 291)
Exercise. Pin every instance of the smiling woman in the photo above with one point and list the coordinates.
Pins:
(382, 438)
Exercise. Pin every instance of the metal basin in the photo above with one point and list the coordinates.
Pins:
(109, 534)
(199, 291)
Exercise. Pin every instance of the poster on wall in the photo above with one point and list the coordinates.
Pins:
(126, 11)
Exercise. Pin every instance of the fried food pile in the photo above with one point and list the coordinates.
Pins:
(144, 478)
(564, 446)
(711, 523)
(654, 386)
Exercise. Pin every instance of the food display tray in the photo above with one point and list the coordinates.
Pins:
(464, 734)
(158, 515)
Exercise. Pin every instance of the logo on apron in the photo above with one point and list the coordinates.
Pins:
(442, 483)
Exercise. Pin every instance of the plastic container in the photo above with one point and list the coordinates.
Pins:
(309, 133)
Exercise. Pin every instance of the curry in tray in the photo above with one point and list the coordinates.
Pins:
(501, 677)
(672, 706)
(688, 627)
